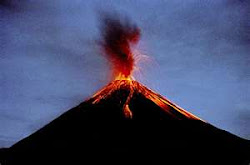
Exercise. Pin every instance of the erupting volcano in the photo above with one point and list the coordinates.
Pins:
(118, 39)
(127, 123)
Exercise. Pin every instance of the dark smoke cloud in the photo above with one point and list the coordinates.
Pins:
(118, 35)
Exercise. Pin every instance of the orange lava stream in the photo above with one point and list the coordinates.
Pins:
(135, 87)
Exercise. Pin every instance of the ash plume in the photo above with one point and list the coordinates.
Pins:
(117, 37)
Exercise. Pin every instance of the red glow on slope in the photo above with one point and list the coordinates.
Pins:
(133, 87)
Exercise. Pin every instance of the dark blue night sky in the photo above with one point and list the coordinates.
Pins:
(198, 57)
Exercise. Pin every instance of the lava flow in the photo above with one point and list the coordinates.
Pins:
(118, 39)
(133, 89)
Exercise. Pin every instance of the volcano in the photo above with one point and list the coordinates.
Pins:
(127, 123)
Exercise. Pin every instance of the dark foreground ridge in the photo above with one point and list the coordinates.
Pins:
(98, 132)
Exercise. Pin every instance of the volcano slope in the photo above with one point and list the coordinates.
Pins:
(126, 123)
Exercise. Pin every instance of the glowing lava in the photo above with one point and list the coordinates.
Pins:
(134, 88)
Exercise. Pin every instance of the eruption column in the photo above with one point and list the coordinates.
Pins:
(117, 39)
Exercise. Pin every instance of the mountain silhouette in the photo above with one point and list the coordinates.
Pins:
(127, 123)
